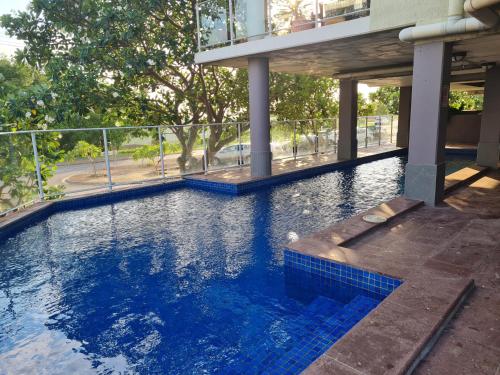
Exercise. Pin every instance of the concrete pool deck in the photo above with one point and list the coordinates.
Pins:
(440, 253)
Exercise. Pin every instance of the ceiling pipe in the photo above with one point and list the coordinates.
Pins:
(456, 23)
(483, 11)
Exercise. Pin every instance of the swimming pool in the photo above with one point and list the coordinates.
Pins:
(182, 282)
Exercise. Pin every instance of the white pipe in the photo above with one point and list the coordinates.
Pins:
(436, 30)
(455, 24)
(481, 9)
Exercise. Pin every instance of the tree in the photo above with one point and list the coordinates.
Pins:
(27, 103)
(85, 150)
(134, 58)
(147, 152)
(385, 100)
(465, 101)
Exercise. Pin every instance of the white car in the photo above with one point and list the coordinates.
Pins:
(230, 155)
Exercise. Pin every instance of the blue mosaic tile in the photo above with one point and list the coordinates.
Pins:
(329, 270)
(246, 187)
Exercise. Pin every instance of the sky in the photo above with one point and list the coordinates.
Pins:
(9, 45)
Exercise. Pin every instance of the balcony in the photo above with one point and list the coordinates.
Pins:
(229, 22)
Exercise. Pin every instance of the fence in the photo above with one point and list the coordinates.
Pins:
(222, 22)
(49, 164)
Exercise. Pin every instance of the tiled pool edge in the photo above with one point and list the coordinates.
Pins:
(333, 361)
(245, 187)
(36, 213)
(360, 278)
(41, 211)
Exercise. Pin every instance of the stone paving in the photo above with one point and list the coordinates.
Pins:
(438, 251)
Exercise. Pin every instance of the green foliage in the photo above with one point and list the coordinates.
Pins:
(385, 101)
(132, 62)
(27, 103)
(147, 152)
(365, 107)
(85, 150)
(296, 97)
(464, 101)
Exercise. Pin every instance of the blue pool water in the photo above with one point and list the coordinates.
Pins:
(185, 282)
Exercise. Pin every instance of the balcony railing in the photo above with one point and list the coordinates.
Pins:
(227, 22)
(99, 159)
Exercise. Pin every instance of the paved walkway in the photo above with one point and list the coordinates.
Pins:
(465, 232)
(459, 240)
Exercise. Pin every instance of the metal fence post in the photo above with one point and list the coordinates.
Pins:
(198, 23)
(366, 132)
(106, 158)
(294, 148)
(162, 156)
(240, 146)
(269, 18)
(380, 132)
(37, 167)
(231, 21)
(392, 125)
(205, 151)
(316, 14)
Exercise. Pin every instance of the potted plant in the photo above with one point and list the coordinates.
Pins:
(292, 12)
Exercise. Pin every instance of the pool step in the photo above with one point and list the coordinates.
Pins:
(323, 321)
(322, 338)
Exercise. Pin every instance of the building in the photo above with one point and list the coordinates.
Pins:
(426, 47)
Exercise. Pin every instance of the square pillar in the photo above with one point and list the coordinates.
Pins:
(348, 120)
(425, 172)
(403, 137)
(487, 150)
(260, 124)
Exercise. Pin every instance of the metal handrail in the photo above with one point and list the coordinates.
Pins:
(230, 21)
(300, 147)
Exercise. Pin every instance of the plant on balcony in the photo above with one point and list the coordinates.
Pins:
(292, 12)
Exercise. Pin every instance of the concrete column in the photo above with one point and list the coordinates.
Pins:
(260, 125)
(348, 120)
(404, 117)
(425, 171)
(487, 150)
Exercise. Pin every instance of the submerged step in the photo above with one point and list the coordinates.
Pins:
(327, 321)
(263, 357)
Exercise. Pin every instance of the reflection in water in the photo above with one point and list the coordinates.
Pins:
(182, 282)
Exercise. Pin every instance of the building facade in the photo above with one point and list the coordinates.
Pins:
(426, 47)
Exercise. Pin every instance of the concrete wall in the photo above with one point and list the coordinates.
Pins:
(464, 128)
(386, 14)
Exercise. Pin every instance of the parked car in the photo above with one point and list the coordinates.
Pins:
(230, 155)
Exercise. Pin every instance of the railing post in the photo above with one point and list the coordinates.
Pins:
(106, 158)
(317, 21)
(335, 125)
(162, 156)
(269, 18)
(294, 150)
(231, 21)
(380, 131)
(205, 151)
(366, 132)
(240, 146)
(198, 24)
(392, 124)
(316, 138)
(37, 167)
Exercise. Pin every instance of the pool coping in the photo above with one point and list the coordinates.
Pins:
(402, 330)
(203, 182)
(18, 220)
